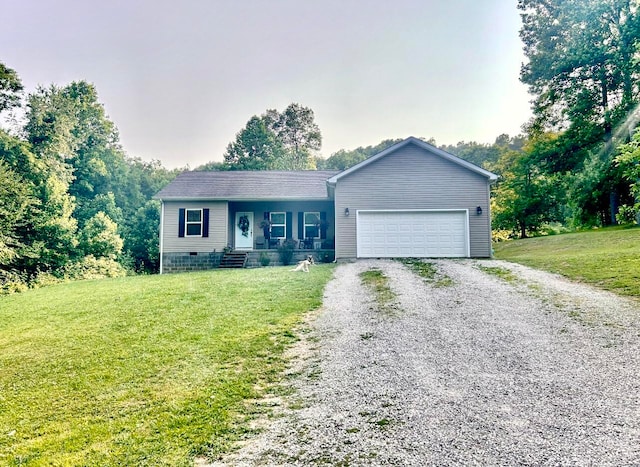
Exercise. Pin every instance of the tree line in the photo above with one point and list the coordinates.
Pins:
(72, 203)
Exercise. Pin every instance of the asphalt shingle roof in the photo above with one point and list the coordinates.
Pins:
(248, 185)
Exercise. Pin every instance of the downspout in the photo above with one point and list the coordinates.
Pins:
(161, 232)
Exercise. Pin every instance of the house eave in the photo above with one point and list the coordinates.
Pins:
(238, 199)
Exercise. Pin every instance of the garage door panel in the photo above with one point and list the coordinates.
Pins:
(412, 234)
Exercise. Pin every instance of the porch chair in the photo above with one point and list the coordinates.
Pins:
(260, 243)
(274, 243)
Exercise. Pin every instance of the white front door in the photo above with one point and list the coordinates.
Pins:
(244, 231)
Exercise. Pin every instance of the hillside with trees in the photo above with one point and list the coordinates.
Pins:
(72, 204)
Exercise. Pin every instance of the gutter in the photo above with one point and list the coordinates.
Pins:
(161, 232)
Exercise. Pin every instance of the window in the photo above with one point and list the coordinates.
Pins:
(193, 222)
(311, 224)
(278, 224)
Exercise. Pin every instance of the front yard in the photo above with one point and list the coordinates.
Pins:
(608, 258)
(148, 370)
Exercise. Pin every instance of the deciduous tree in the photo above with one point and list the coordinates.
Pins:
(525, 197)
(276, 141)
(299, 135)
(99, 237)
(256, 147)
(582, 68)
(10, 88)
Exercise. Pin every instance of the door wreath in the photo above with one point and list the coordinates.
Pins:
(243, 225)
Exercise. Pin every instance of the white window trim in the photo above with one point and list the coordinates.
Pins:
(187, 223)
(305, 225)
(283, 225)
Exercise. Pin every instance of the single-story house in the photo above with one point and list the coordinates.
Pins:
(410, 200)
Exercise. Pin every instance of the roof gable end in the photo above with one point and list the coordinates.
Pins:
(421, 144)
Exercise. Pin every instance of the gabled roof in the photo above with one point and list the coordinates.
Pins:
(248, 185)
(426, 146)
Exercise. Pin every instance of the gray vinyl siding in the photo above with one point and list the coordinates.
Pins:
(218, 221)
(412, 178)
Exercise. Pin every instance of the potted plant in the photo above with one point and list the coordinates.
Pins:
(321, 225)
(265, 225)
(285, 251)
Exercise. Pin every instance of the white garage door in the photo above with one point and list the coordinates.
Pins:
(427, 234)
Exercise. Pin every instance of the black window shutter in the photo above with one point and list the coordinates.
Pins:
(205, 222)
(300, 225)
(267, 230)
(323, 225)
(289, 226)
(181, 222)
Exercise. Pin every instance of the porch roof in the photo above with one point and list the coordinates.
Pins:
(249, 185)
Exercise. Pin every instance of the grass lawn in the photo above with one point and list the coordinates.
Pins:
(147, 370)
(608, 258)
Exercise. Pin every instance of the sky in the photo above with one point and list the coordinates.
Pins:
(181, 78)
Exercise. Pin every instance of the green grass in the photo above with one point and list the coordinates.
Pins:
(503, 273)
(427, 271)
(148, 370)
(607, 258)
(375, 280)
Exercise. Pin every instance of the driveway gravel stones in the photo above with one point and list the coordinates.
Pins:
(536, 371)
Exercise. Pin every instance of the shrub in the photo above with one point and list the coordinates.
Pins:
(285, 251)
(326, 257)
(90, 267)
(627, 214)
(12, 282)
(44, 279)
(264, 259)
(501, 235)
(100, 238)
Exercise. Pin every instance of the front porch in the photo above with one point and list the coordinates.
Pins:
(319, 256)
(203, 261)
(268, 225)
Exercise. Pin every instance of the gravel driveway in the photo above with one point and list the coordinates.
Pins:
(474, 370)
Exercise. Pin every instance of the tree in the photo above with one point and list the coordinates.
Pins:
(142, 237)
(256, 147)
(581, 63)
(583, 71)
(210, 166)
(10, 88)
(15, 200)
(99, 237)
(276, 141)
(47, 229)
(482, 155)
(299, 136)
(69, 197)
(628, 162)
(141, 215)
(100, 203)
(525, 198)
(68, 125)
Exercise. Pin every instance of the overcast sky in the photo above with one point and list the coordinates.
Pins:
(181, 78)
